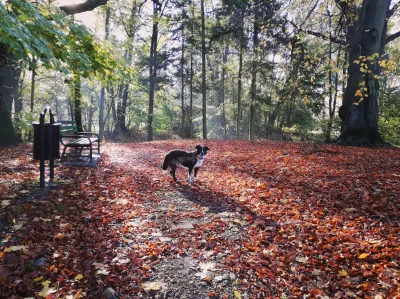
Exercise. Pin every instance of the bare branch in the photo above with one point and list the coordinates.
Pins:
(320, 35)
(88, 5)
(392, 37)
(393, 10)
(309, 13)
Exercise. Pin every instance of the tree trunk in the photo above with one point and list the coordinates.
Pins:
(359, 111)
(239, 95)
(9, 75)
(191, 80)
(77, 99)
(256, 30)
(224, 60)
(18, 105)
(103, 89)
(203, 70)
(183, 122)
(152, 70)
(122, 115)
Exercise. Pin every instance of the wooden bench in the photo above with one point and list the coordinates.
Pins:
(71, 138)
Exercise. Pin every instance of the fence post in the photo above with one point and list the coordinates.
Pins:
(42, 148)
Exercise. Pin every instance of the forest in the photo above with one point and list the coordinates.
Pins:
(323, 71)
(297, 101)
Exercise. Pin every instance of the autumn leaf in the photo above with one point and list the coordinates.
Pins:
(5, 203)
(363, 255)
(237, 295)
(151, 286)
(78, 277)
(15, 248)
(46, 290)
(359, 93)
(343, 272)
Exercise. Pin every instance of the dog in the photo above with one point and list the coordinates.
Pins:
(191, 160)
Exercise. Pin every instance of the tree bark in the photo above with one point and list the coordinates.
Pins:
(359, 112)
(256, 30)
(203, 70)
(239, 95)
(191, 79)
(152, 69)
(103, 89)
(183, 122)
(9, 75)
(77, 100)
(224, 60)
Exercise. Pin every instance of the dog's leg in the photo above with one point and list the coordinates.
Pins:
(189, 175)
(195, 174)
(173, 169)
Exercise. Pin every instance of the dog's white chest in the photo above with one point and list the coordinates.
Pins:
(199, 162)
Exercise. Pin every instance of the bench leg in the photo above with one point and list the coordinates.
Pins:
(62, 156)
(91, 158)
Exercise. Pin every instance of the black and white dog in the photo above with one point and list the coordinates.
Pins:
(192, 160)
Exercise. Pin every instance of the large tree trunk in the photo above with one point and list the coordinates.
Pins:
(9, 75)
(359, 111)
(203, 70)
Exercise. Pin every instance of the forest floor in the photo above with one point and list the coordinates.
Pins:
(263, 220)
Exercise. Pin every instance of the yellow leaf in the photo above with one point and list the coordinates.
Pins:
(359, 93)
(79, 277)
(343, 273)
(357, 61)
(237, 295)
(78, 294)
(363, 255)
(38, 279)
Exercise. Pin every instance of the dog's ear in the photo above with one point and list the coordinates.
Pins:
(206, 148)
(198, 147)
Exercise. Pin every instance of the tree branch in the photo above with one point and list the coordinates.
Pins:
(88, 5)
(392, 37)
(393, 10)
(331, 38)
(317, 34)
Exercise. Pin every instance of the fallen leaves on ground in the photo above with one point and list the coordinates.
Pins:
(263, 220)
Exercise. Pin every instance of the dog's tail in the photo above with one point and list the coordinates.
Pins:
(165, 165)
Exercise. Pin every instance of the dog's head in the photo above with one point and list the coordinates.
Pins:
(201, 150)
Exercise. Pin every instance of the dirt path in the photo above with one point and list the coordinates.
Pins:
(177, 217)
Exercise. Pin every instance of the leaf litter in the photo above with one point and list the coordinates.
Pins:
(263, 220)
